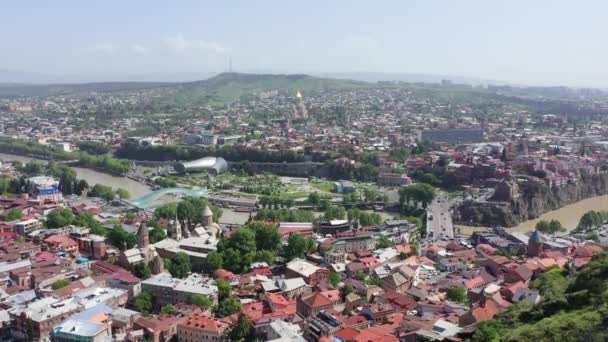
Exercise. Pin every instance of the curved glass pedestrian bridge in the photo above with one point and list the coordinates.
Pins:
(151, 196)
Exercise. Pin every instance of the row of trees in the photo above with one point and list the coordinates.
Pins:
(275, 201)
(550, 227)
(592, 220)
(364, 218)
(419, 193)
(107, 193)
(103, 162)
(135, 151)
(285, 215)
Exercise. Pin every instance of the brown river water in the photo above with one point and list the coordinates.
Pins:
(568, 215)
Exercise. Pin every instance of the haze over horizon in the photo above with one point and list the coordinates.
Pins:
(520, 42)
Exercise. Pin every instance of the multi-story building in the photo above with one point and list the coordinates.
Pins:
(36, 320)
(321, 324)
(354, 242)
(92, 325)
(45, 188)
(310, 273)
(201, 328)
(393, 179)
(27, 226)
(169, 290)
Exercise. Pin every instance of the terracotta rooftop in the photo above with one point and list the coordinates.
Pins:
(317, 300)
(205, 323)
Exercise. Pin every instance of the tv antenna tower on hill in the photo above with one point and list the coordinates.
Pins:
(229, 63)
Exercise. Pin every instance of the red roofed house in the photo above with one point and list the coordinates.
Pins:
(61, 243)
(480, 313)
(200, 328)
(159, 329)
(310, 305)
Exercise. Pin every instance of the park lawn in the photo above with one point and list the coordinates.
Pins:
(325, 186)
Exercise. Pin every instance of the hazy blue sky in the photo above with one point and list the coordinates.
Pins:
(530, 41)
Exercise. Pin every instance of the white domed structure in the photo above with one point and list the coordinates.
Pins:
(213, 165)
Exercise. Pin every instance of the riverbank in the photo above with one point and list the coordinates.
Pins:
(92, 176)
(568, 215)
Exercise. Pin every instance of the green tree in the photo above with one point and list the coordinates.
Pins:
(180, 265)
(589, 221)
(215, 260)
(122, 193)
(13, 214)
(267, 236)
(555, 227)
(157, 234)
(239, 250)
(298, 246)
(333, 212)
(488, 331)
(334, 279)
(314, 199)
(102, 191)
(543, 227)
(60, 283)
(201, 301)
(227, 307)
(266, 256)
(166, 309)
(142, 271)
(167, 211)
(241, 329)
(120, 238)
(59, 218)
(144, 302)
(345, 291)
(223, 288)
(457, 294)
(360, 275)
(384, 242)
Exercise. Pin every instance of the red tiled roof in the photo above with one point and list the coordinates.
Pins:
(347, 334)
(62, 240)
(206, 323)
(224, 274)
(124, 276)
(45, 257)
(375, 334)
(317, 300)
(108, 267)
(286, 230)
(265, 271)
(488, 311)
(332, 295)
(277, 299)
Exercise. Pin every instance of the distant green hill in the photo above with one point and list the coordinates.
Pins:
(18, 90)
(227, 87)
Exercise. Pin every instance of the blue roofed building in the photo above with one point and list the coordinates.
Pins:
(92, 325)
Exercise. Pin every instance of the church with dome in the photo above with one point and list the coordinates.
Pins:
(197, 241)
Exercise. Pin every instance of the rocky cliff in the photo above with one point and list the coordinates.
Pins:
(535, 197)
